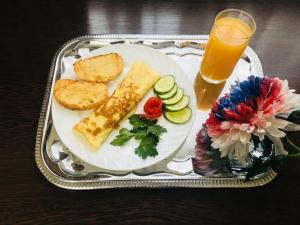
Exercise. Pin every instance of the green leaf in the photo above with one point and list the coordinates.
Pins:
(120, 140)
(139, 133)
(153, 139)
(147, 147)
(292, 149)
(138, 121)
(156, 130)
(125, 131)
(123, 136)
(294, 117)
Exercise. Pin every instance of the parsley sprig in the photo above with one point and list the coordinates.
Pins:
(145, 130)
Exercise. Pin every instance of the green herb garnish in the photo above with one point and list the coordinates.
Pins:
(156, 130)
(147, 146)
(123, 136)
(145, 130)
(138, 121)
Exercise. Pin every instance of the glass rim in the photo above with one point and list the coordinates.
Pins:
(242, 12)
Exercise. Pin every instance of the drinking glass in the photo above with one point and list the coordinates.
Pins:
(230, 35)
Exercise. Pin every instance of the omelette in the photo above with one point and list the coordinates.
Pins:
(96, 127)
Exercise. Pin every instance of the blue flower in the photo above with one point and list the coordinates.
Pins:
(241, 92)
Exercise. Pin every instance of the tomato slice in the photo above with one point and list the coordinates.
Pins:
(152, 116)
(153, 108)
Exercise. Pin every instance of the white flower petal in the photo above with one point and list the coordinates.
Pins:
(275, 132)
(259, 132)
(231, 151)
(245, 137)
(235, 136)
(220, 142)
(244, 126)
(224, 151)
(259, 135)
(278, 123)
(241, 152)
(285, 86)
(292, 127)
(279, 150)
(227, 151)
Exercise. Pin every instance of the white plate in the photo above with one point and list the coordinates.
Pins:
(123, 158)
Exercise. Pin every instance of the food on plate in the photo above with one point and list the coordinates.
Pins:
(96, 128)
(146, 131)
(176, 98)
(100, 68)
(153, 108)
(169, 94)
(179, 117)
(164, 85)
(183, 102)
(176, 103)
(79, 94)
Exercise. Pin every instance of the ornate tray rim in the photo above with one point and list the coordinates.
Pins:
(132, 183)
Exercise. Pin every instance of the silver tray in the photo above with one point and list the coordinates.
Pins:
(65, 170)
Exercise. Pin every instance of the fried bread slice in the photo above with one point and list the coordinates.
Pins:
(79, 94)
(96, 128)
(101, 68)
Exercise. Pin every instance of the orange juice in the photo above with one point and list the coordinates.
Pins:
(228, 39)
(207, 93)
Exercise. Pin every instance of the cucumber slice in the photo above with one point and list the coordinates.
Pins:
(179, 117)
(179, 105)
(169, 94)
(164, 84)
(176, 98)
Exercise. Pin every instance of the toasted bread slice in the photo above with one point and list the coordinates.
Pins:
(101, 68)
(96, 128)
(79, 94)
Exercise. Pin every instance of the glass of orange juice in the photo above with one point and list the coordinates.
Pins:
(230, 35)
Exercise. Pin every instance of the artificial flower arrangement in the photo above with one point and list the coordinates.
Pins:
(255, 115)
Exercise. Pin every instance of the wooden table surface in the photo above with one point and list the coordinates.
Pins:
(32, 31)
